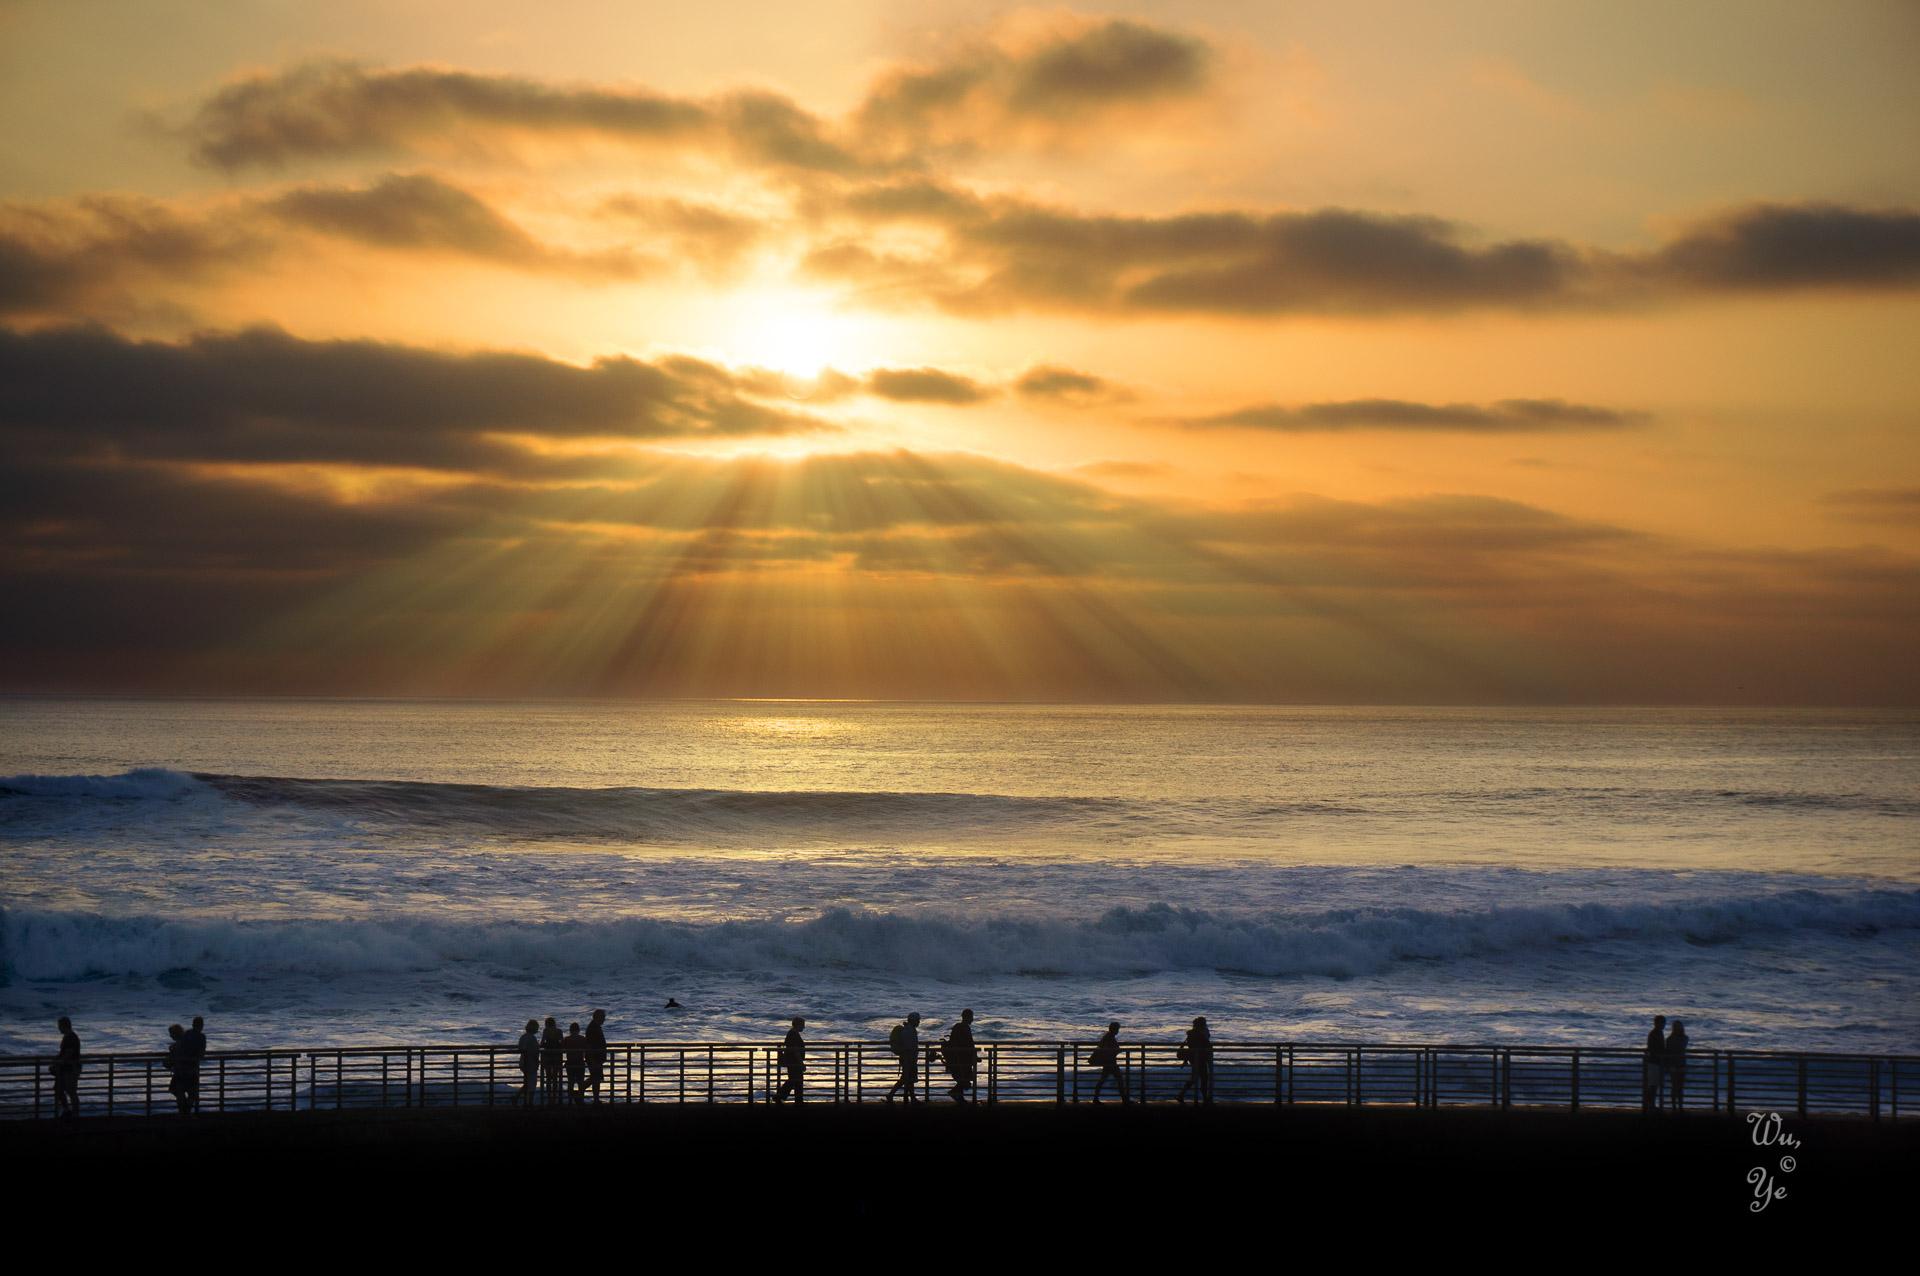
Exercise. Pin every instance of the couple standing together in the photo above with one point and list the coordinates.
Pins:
(1666, 1064)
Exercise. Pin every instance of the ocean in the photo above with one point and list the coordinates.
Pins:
(308, 873)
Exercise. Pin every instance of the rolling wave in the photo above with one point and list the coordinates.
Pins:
(56, 946)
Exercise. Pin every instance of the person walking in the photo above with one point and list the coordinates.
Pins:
(904, 1041)
(1106, 1057)
(793, 1057)
(1197, 1053)
(66, 1072)
(962, 1058)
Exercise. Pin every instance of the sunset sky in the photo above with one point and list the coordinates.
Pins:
(1523, 352)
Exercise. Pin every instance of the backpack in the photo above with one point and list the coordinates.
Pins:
(897, 1039)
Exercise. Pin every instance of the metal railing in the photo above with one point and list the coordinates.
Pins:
(1283, 1073)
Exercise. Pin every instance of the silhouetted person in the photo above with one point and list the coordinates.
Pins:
(596, 1053)
(529, 1047)
(1197, 1053)
(179, 1063)
(962, 1057)
(196, 1042)
(1654, 1068)
(574, 1047)
(672, 1004)
(793, 1057)
(1106, 1057)
(66, 1072)
(1674, 1060)
(550, 1055)
(904, 1041)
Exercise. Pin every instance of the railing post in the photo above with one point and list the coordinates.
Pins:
(1503, 1081)
(1279, 1075)
(149, 1071)
(1060, 1075)
(109, 1085)
(220, 1096)
(1576, 1078)
(1802, 1087)
(1730, 1103)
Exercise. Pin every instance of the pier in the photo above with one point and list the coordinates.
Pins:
(1302, 1075)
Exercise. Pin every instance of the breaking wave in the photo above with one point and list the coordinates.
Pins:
(54, 946)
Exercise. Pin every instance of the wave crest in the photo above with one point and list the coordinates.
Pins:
(55, 946)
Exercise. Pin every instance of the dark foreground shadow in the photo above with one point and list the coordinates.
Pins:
(1157, 1175)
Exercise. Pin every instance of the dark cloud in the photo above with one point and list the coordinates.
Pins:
(926, 385)
(1786, 246)
(417, 212)
(57, 256)
(997, 93)
(324, 108)
(1067, 385)
(1006, 253)
(263, 395)
(1508, 416)
(1067, 81)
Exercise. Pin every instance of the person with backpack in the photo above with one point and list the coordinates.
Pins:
(1106, 1057)
(904, 1041)
(529, 1048)
(793, 1057)
(962, 1058)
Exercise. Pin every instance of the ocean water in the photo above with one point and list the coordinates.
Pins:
(317, 873)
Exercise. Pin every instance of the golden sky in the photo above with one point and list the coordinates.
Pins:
(1531, 352)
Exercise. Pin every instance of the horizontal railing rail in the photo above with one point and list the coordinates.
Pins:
(1351, 1074)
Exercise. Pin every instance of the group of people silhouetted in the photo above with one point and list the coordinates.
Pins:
(1666, 1065)
(558, 1067)
(186, 1049)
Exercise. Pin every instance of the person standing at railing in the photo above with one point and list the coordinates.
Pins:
(179, 1063)
(1674, 1058)
(904, 1041)
(196, 1043)
(550, 1053)
(1197, 1053)
(596, 1053)
(1106, 1057)
(575, 1049)
(529, 1047)
(66, 1072)
(793, 1057)
(1653, 1070)
(962, 1059)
